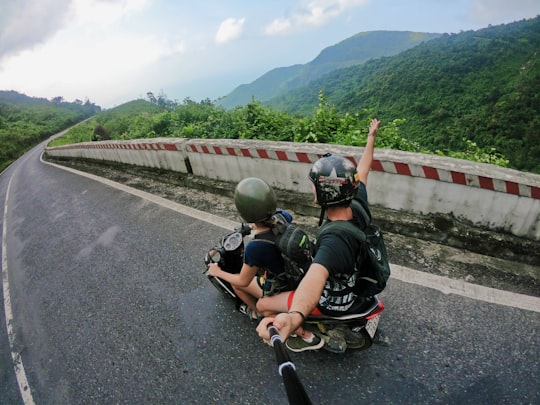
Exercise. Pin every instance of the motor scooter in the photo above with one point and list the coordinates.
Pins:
(356, 331)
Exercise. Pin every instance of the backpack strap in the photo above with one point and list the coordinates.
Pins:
(343, 226)
(356, 205)
(268, 236)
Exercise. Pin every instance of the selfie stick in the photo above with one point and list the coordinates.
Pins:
(296, 393)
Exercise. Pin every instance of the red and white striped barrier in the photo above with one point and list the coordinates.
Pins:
(393, 167)
(486, 195)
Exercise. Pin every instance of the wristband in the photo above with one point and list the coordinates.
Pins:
(299, 313)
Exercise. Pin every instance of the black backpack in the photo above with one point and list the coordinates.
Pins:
(296, 249)
(372, 263)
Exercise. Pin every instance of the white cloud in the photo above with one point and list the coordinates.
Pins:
(95, 61)
(278, 26)
(313, 13)
(105, 12)
(229, 30)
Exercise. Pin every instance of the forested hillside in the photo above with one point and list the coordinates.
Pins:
(164, 118)
(26, 121)
(478, 87)
(351, 51)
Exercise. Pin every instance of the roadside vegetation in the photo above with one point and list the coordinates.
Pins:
(189, 119)
(26, 121)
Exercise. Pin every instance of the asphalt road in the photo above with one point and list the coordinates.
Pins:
(109, 305)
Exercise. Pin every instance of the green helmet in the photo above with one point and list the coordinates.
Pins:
(255, 200)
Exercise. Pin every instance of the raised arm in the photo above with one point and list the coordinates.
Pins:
(364, 165)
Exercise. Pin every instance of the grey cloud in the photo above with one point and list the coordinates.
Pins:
(26, 23)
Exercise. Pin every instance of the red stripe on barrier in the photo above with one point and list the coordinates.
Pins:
(458, 177)
(377, 166)
(231, 151)
(281, 155)
(303, 157)
(431, 173)
(402, 168)
(217, 150)
(535, 192)
(170, 146)
(245, 152)
(262, 154)
(205, 149)
(486, 182)
(193, 148)
(512, 188)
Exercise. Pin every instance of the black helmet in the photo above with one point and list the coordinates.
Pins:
(255, 200)
(336, 180)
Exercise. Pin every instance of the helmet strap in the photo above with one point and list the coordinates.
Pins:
(321, 218)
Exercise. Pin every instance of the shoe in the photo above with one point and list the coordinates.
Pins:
(335, 343)
(355, 340)
(297, 344)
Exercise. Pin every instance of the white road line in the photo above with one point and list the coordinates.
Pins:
(24, 388)
(443, 284)
(460, 287)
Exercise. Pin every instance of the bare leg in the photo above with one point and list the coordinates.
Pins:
(249, 294)
(269, 306)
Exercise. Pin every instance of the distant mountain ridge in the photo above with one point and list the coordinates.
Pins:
(351, 51)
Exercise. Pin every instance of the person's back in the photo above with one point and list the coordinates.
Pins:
(339, 251)
(336, 183)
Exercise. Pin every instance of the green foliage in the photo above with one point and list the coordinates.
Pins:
(141, 119)
(474, 153)
(26, 121)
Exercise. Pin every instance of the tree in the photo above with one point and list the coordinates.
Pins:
(100, 134)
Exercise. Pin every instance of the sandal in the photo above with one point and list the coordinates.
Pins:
(254, 316)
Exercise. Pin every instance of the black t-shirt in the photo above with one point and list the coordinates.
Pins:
(338, 253)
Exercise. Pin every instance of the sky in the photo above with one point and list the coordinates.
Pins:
(113, 51)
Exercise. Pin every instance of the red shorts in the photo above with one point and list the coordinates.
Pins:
(315, 311)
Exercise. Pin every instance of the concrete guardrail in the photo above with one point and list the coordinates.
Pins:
(487, 196)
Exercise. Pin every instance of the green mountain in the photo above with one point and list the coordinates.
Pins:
(352, 51)
(480, 85)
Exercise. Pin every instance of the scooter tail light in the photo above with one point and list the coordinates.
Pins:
(377, 311)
